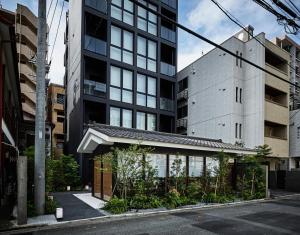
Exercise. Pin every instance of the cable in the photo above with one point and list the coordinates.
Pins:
(49, 8)
(209, 41)
(236, 21)
(294, 6)
(62, 9)
(53, 15)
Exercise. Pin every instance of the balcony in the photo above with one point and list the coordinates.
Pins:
(280, 147)
(170, 3)
(95, 45)
(167, 69)
(94, 88)
(97, 5)
(181, 123)
(183, 95)
(166, 104)
(168, 34)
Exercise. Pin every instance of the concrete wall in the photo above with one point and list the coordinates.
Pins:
(294, 139)
(74, 62)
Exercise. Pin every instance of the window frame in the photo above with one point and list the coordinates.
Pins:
(146, 94)
(146, 120)
(123, 12)
(146, 57)
(121, 111)
(147, 19)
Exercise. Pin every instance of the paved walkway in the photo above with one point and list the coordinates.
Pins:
(74, 208)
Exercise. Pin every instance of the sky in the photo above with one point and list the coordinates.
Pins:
(201, 16)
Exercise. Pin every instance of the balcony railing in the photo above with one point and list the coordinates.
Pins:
(166, 104)
(183, 95)
(95, 45)
(167, 69)
(168, 34)
(94, 88)
(97, 5)
(181, 123)
(170, 3)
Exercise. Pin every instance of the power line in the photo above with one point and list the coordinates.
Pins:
(53, 15)
(209, 41)
(294, 6)
(61, 12)
(49, 8)
(237, 22)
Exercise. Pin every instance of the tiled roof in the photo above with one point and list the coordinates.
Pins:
(130, 133)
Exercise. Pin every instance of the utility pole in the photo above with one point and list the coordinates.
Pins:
(39, 152)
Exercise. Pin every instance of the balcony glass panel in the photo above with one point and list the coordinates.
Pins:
(170, 3)
(95, 45)
(167, 69)
(166, 104)
(168, 34)
(94, 88)
(97, 5)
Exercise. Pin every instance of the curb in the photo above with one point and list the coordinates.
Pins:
(105, 218)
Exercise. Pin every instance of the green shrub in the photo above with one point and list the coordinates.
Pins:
(145, 202)
(194, 190)
(172, 199)
(50, 206)
(116, 205)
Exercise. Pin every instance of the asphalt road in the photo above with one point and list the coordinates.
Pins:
(281, 216)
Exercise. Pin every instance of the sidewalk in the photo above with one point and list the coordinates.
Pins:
(75, 208)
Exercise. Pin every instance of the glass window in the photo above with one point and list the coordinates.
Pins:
(141, 99)
(142, 42)
(147, 21)
(147, 53)
(115, 36)
(151, 122)
(115, 116)
(152, 49)
(177, 161)
(115, 77)
(115, 53)
(128, 41)
(151, 86)
(140, 120)
(127, 96)
(127, 118)
(212, 165)
(117, 2)
(159, 162)
(123, 13)
(121, 51)
(115, 94)
(195, 166)
(127, 79)
(151, 102)
(141, 83)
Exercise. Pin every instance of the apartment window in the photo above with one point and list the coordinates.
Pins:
(121, 45)
(236, 94)
(120, 117)
(147, 21)
(241, 55)
(240, 131)
(236, 58)
(241, 95)
(298, 132)
(60, 99)
(236, 130)
(145, 121)
(122, 10)
(121, 84)
(146, 91)
(147, 54)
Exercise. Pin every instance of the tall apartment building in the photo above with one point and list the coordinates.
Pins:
(56, 116)
(120, 68)
(222, 97)
(293, 49)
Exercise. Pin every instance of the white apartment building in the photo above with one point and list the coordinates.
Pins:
(222, 97)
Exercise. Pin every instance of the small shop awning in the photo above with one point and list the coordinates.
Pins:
(99, 134)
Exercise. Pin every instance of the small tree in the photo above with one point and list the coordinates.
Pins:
(127, 165)
(222, 174)
(263, 151)
(178, 174)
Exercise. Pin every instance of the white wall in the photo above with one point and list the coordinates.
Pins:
(294, 141)
(212, 107)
